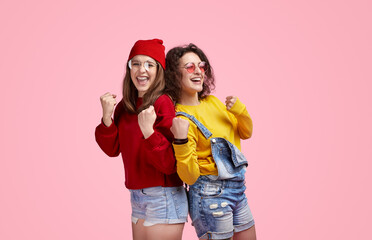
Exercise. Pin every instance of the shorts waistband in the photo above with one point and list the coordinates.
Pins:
(227, 183)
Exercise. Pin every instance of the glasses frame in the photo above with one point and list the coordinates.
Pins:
(202, 69)
(144, 64)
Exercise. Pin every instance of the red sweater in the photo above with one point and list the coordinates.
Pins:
(147, 162)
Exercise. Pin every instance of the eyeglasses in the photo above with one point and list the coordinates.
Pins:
(190, 67)
(135, 65)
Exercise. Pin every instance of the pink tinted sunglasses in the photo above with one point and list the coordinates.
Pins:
(190, 67)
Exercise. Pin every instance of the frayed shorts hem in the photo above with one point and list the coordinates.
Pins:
(229, 234)
(152, 222)
(242, 227)
(217, 235)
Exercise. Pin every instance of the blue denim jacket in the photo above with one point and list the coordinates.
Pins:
(231, 163)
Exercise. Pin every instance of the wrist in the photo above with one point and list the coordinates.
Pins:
(107, 121)
(179, 141)
(147, 133)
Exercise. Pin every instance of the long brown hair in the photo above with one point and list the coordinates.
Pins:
(130, 93)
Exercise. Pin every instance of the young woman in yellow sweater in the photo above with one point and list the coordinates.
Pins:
(207, 147)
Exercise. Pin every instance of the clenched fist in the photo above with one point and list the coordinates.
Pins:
(230, 101)
(146, 120)
(180, 128)
(108, 103)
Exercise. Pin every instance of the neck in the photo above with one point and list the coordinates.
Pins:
(189, 99)
(140, 94)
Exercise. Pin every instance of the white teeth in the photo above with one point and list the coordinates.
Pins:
(142, 81)
(195, 79)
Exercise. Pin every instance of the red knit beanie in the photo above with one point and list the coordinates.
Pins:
(153, 48)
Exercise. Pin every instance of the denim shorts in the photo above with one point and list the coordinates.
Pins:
(218, 208)
(159, 205)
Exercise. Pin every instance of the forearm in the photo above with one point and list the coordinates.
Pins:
(159, 152)
(243, 118)
(187, 162)
(107, 139)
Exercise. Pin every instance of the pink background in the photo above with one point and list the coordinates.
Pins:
(303, 68)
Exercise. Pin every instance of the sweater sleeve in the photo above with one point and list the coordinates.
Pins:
(187, 159)
(157, 148)
(108, 137)
(241, 114)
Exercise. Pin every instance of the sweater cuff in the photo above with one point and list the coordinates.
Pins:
(103, 129)
(238, 108)
(153, 141)
(181, 149)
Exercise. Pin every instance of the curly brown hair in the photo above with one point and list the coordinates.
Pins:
(173, 74)
(130, 92)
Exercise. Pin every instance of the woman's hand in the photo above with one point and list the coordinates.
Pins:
(230, 101)
(180, 128)
(108, 103)
(146, 120)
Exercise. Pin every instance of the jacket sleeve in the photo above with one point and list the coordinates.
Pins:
(157, 148)
(187, 159)
(244, 121)
(108, 137)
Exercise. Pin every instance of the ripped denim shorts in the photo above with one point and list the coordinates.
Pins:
(218, 208)
(159, 205)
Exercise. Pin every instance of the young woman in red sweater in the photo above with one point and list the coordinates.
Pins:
(140, 131)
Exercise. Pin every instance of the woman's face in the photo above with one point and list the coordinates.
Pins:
(191, 83)
(143, 71)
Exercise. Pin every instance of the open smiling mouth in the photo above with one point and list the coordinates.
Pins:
(196, 80)
(142, 80)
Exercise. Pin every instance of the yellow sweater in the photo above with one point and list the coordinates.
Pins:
(195, 157)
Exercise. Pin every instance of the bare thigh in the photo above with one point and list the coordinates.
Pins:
(138, 230)
(165, 231)
(249, 234)
(157, 231)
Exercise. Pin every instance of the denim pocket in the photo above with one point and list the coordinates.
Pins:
(211, 190)
(180, 201)
(153, 191)
(226, 158)
(223, 156)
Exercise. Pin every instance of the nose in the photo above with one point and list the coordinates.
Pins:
(197, 70)
(142, 68)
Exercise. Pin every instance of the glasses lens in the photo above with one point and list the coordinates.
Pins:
(135, 65)
(203, 66)
(190, 67)
(149, 66)
(146, 65)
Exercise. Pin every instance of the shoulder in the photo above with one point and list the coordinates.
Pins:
(211, 98)
(163, 100)
(119, 107)
(119, 110)
(164, 105)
